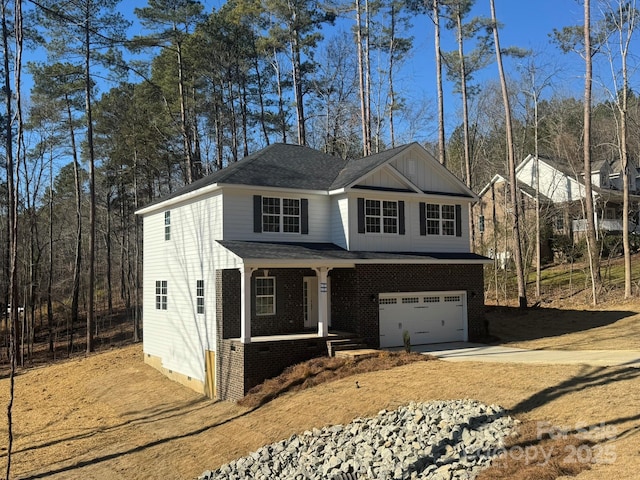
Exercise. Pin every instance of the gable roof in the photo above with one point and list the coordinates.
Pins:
(298, 167)
(356, 169)
(523, 187)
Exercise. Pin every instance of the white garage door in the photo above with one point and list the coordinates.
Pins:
(428, 317)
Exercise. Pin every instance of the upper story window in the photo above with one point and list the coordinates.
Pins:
(280, 215)
(381, 216)
(481, 223)
(441, 219)
(167, 225)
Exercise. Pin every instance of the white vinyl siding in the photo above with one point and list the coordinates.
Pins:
(239, 217)
(411, 241)
(553, 184)
(180, 335)
(340, 221)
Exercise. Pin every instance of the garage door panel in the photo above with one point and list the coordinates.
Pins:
(428, 317)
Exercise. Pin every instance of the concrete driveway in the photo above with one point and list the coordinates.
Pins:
(476, 352)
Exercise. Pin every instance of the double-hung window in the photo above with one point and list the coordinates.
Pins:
(200, 296)
(280, 215)
(167, 225)
(441, 219)
(381, 216)
(161, 294)
(265, 295)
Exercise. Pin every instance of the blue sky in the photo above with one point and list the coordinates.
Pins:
(526, 24)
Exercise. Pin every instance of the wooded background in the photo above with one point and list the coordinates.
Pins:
(84, 149)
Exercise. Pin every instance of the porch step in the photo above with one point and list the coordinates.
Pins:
(345, 344)
(358, 353)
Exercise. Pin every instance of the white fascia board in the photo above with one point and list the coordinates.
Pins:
(525, 161)
(495, 178)
(311, 263)
(179, 199)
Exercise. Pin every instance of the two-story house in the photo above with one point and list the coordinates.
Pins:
(253, 268)
(559, 187)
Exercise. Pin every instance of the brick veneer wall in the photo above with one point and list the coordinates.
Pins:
(289, 317)
(359, 308)
(354, 308)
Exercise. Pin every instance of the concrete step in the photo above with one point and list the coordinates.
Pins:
(359, 353)
(343, 344)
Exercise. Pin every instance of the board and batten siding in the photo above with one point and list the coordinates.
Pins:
(412, 240)
(179, 335)
(239, 217)
(425, 172)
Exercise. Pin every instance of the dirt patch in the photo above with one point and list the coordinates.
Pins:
(324, 370)
(111, 416)
(613, 326)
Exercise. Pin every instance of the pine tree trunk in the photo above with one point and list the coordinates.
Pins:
(522, 294)
(441, 137)
(594, 258)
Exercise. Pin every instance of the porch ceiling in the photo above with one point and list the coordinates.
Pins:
(328, 254)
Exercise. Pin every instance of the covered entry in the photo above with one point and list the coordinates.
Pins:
(428, 317)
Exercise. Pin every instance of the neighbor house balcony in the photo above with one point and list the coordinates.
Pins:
(607, 225)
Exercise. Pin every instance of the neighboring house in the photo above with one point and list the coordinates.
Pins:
(494, 223)
(253, 268)
(561, 195)
(563, 185)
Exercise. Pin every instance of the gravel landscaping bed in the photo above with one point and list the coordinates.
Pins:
(436, 440)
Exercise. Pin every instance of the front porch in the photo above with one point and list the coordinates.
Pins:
(245, 365)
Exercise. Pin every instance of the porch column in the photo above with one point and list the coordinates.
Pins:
(323, 301)
(245, 304)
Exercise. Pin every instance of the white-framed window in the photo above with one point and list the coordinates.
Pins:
(200, 296)
(481, 223)
(441, 219)
(161, 295)
(167, 225)
(280, 215)
(381, 216)
(265, 295)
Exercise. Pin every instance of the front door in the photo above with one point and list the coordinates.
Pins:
(310, 301)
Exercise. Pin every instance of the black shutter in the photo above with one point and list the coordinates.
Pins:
(423, 219)
(304, 216)
(458, 220)
(257, 213)
(361, 225)
(401, 217)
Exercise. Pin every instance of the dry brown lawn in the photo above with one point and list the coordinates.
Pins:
(109, 416)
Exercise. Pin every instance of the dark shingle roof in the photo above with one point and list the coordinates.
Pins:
(278, 165)
(329, 251)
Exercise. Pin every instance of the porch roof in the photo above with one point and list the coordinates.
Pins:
(328, 254)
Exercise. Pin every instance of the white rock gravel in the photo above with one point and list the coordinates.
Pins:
(436, 440)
